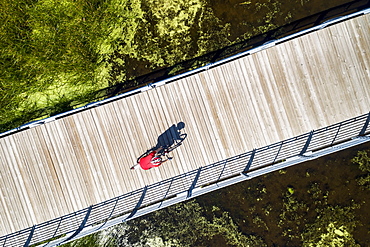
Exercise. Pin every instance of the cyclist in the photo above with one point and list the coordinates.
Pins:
(153, 159)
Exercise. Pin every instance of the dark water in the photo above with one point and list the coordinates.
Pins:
(335, 179)
(246, 16)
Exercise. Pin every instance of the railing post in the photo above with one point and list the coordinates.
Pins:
(194, 183)
(305, 147)
(250, 161)
(138, 203)
(335, 137)
(223, 168)
(363, 130)
(111, 213)
(30, 237)
(83, 223)
(278, 152)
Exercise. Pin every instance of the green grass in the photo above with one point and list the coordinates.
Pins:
(55, 54)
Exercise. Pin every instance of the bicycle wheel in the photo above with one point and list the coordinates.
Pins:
(156, 160)
(173, 146)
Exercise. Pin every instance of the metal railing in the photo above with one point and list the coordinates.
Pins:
(190, 184)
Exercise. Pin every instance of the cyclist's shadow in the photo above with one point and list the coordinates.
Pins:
(168, 140)
(171, 136)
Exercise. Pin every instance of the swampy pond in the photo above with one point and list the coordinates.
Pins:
(324, 202)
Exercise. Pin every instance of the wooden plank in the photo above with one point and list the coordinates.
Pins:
(80, 161)
(266, 81)
(132, 147)
(145, 133)
(304, 86)
(58, 178)
(21, 210)
(206, 149)
(169, 98)
(104, 159)
(137, 137)
(212, 120)
(247, 105)
(190, 113)
(313, 56)
(129, 155)
(317, 106)
(116, 141)
(30, 168)
(73, 167)
(347, 53)
(5, 219)
(89, 160)
(236, 101)
(9, 204)
(96, 154)
(149, 109)
(106, 150)
(338, 35)
(360, 42)
(208, 89)
(296, 110)
(266, 130)
(278, 90)
(50, 174)
(59, 144)
(226, 108)
(158, 106)
(44, 180)
(254, 115)
(209, 131)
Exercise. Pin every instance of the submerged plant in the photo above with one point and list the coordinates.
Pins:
(183, 224)
(363, 161)
(333, 226)
(172, 31)
(293, 215)
(334, 236)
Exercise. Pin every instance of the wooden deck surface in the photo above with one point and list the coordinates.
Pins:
(307, 83)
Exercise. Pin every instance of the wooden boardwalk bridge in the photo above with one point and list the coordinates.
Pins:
(66, 165)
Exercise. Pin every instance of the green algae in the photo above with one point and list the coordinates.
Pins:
(174, 31)
(363, 161)
(334, 226)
